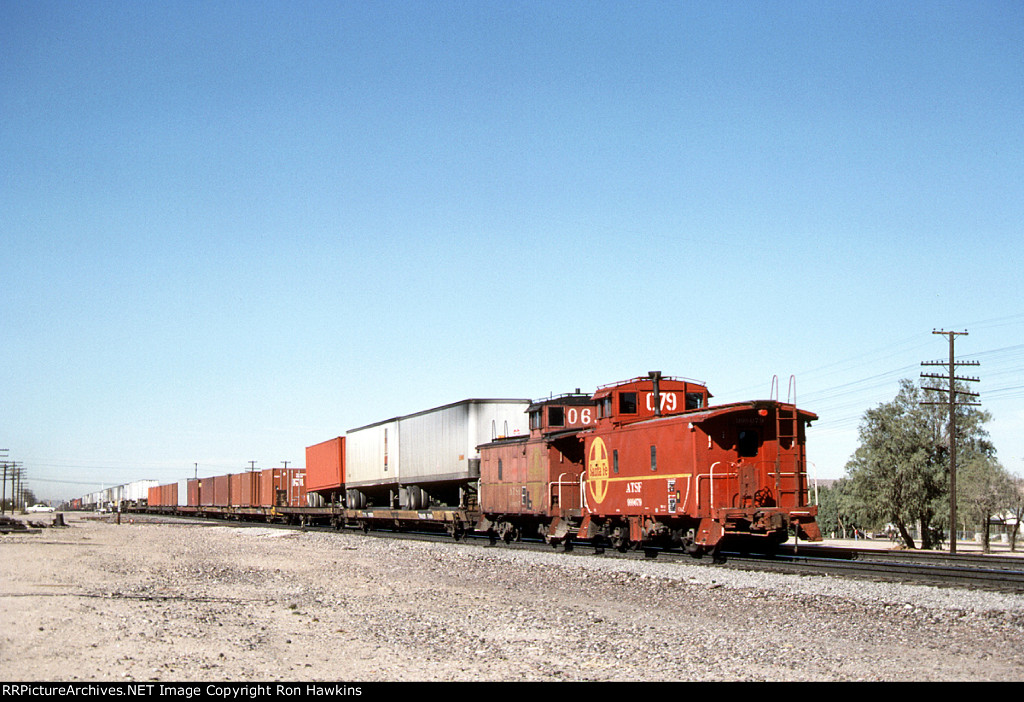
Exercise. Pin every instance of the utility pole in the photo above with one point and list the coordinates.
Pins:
(14, 470)
(3, 492)
(952, 401)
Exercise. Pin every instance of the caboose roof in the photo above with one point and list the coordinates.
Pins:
(703, 415)
(666, 383)
(568, 399)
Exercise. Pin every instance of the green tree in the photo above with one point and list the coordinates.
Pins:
(900, 472)
(984, 489)
(838, 512)
(1015, 506)
(828, 510)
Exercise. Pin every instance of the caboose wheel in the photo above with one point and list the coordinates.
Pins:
(508, 532)
(619, 540)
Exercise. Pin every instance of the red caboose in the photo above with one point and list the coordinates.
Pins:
(530, 485)
(664, 468)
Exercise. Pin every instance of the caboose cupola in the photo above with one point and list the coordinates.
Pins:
(571, 411)
(649, 397)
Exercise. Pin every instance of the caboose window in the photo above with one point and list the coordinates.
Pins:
(556, 416)
(694, 400)
(747, 443)
(627, 402)
(615, 461)
(499, 469)
(654, 458)
(535, 420)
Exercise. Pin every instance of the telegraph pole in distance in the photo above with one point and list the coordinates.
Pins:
(953, 392)
(3, 492)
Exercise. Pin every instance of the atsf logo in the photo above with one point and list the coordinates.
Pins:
(597, 470)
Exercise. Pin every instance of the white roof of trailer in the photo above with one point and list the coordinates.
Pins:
(473, 401)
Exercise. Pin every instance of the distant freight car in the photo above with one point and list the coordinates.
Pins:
(244, 489)
(163, 495)
(222, 491)
(246, 492)
(282, 487)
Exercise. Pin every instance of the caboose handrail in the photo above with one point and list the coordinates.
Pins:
(710, 475)
(690, 482)
(559, 483)
(794, 473)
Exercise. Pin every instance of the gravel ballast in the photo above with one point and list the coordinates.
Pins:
(157, 600)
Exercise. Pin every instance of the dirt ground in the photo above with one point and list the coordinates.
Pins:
(156, 600)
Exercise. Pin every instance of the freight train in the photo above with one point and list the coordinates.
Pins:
(643, 463)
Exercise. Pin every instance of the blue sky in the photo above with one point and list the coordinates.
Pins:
(234, 229)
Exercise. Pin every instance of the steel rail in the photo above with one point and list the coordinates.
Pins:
(892, 567)
(1001, 574)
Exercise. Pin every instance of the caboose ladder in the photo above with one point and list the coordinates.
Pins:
(786, 429)
(785, 416)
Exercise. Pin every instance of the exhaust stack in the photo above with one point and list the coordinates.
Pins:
(655, 377)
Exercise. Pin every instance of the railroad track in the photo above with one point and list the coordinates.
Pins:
(981, 572)
(992, 573)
